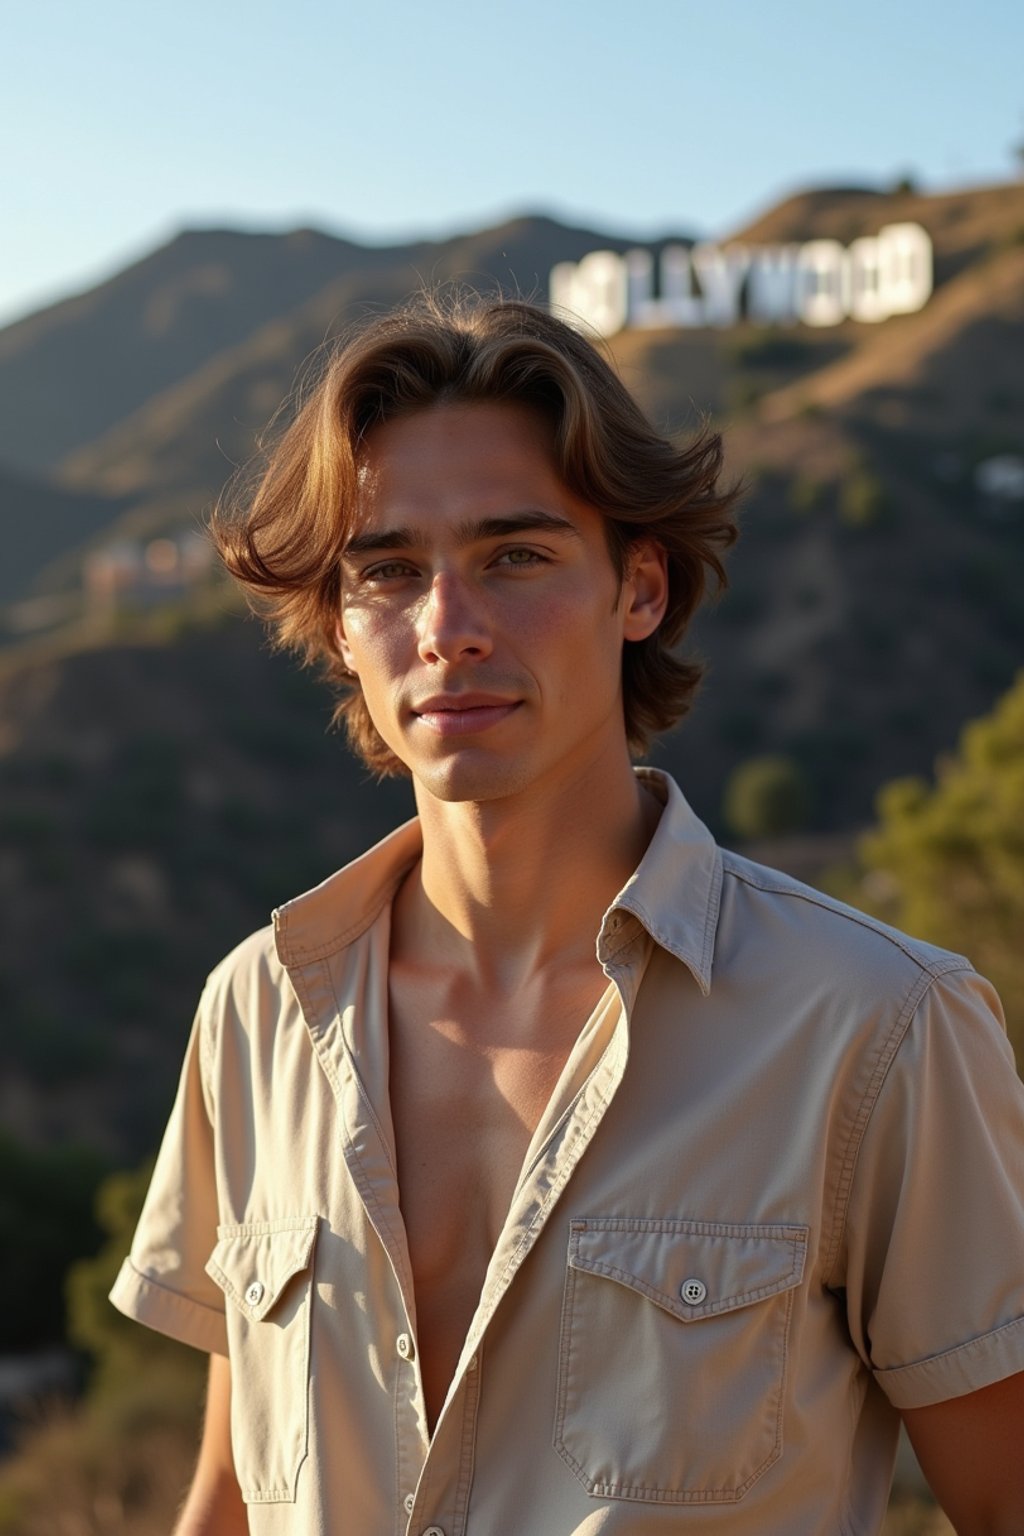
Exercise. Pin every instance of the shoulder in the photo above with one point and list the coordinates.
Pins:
(851, 995)
(783, 922)
(253, 963)
(248, 989)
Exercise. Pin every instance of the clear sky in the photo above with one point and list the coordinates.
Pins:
(123, 122)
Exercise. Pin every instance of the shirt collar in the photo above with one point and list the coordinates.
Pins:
(676, 889)
(674, 892)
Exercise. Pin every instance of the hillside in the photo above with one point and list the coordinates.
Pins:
(191, 435)
(953, 369)
(39, 523)
(71, 371)
(75, 371)
(150, 816)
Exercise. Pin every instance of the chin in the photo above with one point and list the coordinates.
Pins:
(460, 779)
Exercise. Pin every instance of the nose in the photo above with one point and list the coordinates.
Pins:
(452, 623)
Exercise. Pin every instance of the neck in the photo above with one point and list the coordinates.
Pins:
(508, 887)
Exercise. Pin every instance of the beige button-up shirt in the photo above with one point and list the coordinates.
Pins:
(777, 1195)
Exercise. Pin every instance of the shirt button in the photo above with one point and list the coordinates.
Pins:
(404, 1346)
(472, 1364)
(433, 1530)
(693, 1292)
(254, 1293)
(409, 1501)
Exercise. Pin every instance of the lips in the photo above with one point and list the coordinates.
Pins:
(463, 714)
(458, 702)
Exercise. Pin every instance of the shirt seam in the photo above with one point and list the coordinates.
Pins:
(353, 1067)
(601, 1100)
(170, 1290)
(363, 1183)
(948, 1356)
(886, 1055)
(945, 962)
(206, 1055)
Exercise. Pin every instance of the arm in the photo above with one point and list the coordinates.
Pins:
(970, 1451)
(214, 1505)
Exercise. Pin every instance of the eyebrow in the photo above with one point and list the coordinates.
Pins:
(467, 532)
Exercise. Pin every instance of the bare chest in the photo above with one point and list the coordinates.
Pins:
(468, 1089)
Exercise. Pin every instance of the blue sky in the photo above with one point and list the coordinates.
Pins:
(123, 123)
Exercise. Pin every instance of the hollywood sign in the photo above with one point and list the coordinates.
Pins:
(819, 283)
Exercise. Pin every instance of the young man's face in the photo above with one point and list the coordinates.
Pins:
(480, 609)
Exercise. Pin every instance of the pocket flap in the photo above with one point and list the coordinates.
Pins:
(693, 1269)
(252, 1263)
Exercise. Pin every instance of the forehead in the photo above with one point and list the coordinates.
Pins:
(461, 457)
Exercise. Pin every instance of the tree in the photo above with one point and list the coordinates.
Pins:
(946, 861)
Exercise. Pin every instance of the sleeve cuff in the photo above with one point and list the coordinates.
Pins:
(967, 1368)
(145, 1300)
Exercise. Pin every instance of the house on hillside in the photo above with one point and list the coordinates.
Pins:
(136, 574)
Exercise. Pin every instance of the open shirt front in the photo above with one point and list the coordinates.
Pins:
(777, 1194)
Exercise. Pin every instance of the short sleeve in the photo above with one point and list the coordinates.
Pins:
(934, 1273)
(163, 1282)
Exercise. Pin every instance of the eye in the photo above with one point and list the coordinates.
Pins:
(521, 557)
(388, 570)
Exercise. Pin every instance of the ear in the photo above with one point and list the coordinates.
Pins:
(645, 590)
(344, 648)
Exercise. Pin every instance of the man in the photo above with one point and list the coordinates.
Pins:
(547, 1169)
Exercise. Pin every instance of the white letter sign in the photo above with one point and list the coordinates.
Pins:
(821, 283)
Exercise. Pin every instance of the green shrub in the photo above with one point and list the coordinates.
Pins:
(951, 854)
(862, 500)
(765, 797)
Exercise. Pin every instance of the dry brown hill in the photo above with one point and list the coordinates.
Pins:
(71, 371)
(955, 367)
(191, 435)
(963, 225)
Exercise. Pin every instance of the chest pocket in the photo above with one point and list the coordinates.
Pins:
(673, 1356)
(265, 1269)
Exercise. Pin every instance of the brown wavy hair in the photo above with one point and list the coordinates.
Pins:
(282, 533)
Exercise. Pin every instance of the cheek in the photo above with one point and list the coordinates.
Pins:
(575, 647)
(374, 642)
